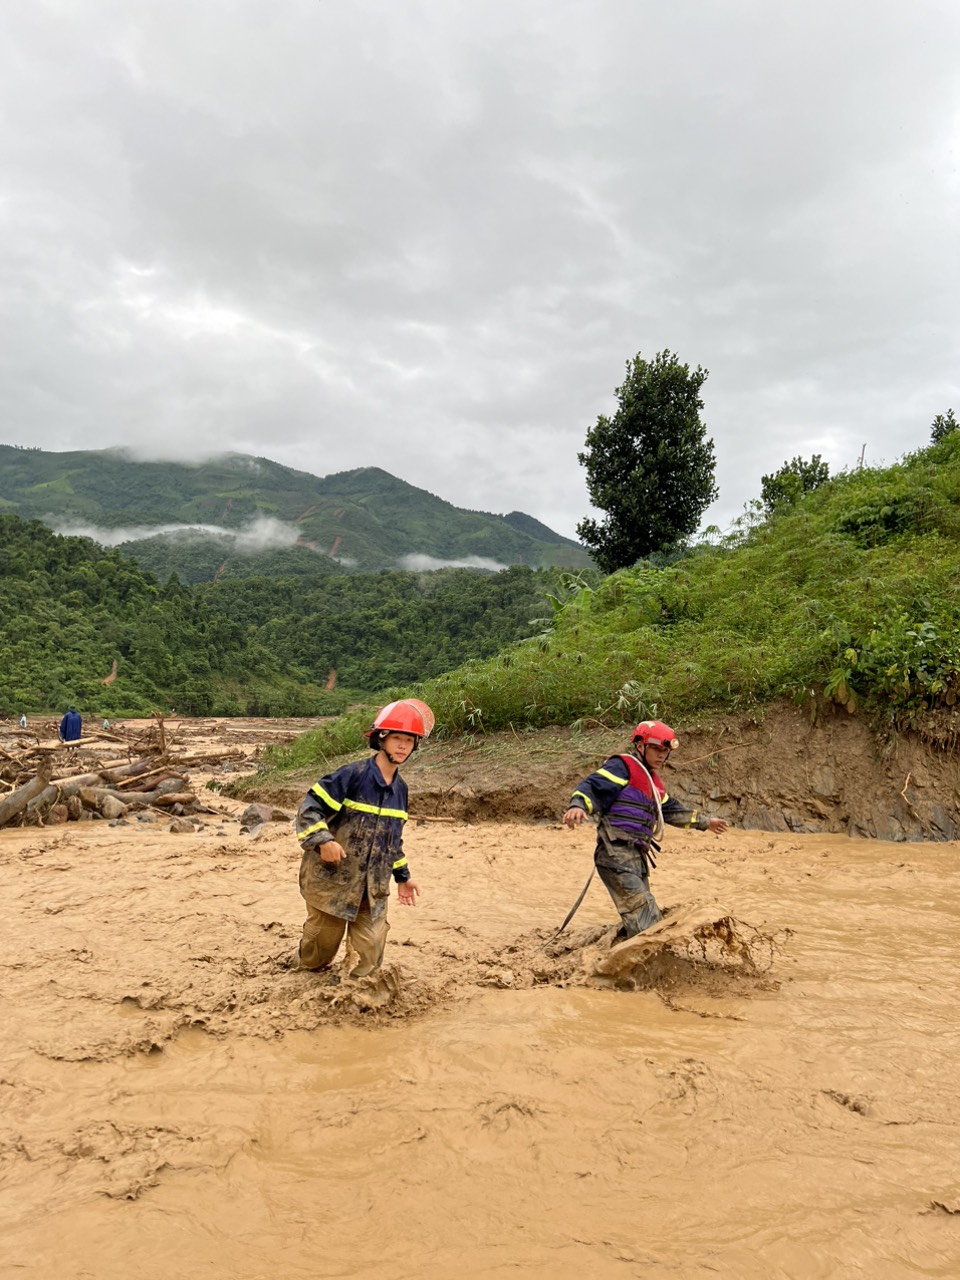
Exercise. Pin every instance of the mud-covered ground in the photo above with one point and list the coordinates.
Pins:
(766, 1085)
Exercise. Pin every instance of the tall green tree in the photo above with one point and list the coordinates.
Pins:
(944, 424)
(650, 467)
(795, 478)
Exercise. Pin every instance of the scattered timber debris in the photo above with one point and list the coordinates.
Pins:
(104, 775)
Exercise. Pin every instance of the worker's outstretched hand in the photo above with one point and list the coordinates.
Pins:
(718, 826)
(331, 852)
(408, 893)
(574, 816)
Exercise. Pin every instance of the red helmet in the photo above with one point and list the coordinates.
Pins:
(655, 732)
(409, 715)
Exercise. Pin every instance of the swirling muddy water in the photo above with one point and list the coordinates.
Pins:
(770, 1091)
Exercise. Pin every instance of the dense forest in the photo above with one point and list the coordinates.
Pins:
(383, 629)
(215, 557)
(69, 610)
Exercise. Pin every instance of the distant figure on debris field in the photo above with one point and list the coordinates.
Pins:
(630, 802)
(22, 722)
(350, 827)
(71, 726)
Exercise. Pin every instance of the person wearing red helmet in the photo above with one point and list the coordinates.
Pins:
(350, 829)
(630, 802)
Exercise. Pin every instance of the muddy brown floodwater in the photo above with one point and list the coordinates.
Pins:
(769, 1088)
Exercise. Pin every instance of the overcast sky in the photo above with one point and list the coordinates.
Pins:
(426, 235)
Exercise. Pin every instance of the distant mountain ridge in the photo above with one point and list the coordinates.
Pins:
(536, 529)
(262, 517)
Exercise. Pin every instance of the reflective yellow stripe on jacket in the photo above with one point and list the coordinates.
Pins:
(310, 831)
(372, 808)
(357, 805)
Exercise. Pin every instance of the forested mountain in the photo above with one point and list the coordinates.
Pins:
(266, 518)
(537, 529)
(72, 614)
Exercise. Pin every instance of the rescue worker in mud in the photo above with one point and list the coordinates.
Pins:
(350, 828)
(630, 802)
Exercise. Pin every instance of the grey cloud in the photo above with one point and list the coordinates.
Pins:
(427, 237)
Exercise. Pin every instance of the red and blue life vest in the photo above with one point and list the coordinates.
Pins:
(635, 813)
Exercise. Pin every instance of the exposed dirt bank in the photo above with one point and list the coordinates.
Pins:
(777, 772)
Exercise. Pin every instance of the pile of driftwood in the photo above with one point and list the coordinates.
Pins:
(110, 793)
(106, 775)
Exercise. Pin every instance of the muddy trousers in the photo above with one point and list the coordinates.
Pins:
(323, 933)
(630, 891)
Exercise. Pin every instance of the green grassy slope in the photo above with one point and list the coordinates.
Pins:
(852, 594)
(367, 518)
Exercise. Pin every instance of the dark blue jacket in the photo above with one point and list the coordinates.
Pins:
(365, 815)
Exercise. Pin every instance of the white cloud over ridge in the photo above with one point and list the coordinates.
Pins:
(262, 533)
(419, 563)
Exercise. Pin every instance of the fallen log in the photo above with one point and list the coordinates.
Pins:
(163, 774)
(107, 735)
(101, 799)
(15, 803)
(147, 798)
(77, 780)
(53, 793)
(171, 798)
(134, 770)
(209, 757)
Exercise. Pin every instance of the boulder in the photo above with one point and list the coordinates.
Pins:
(113, 808)
(256, 814)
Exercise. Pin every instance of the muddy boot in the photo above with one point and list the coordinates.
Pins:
(638, 921)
